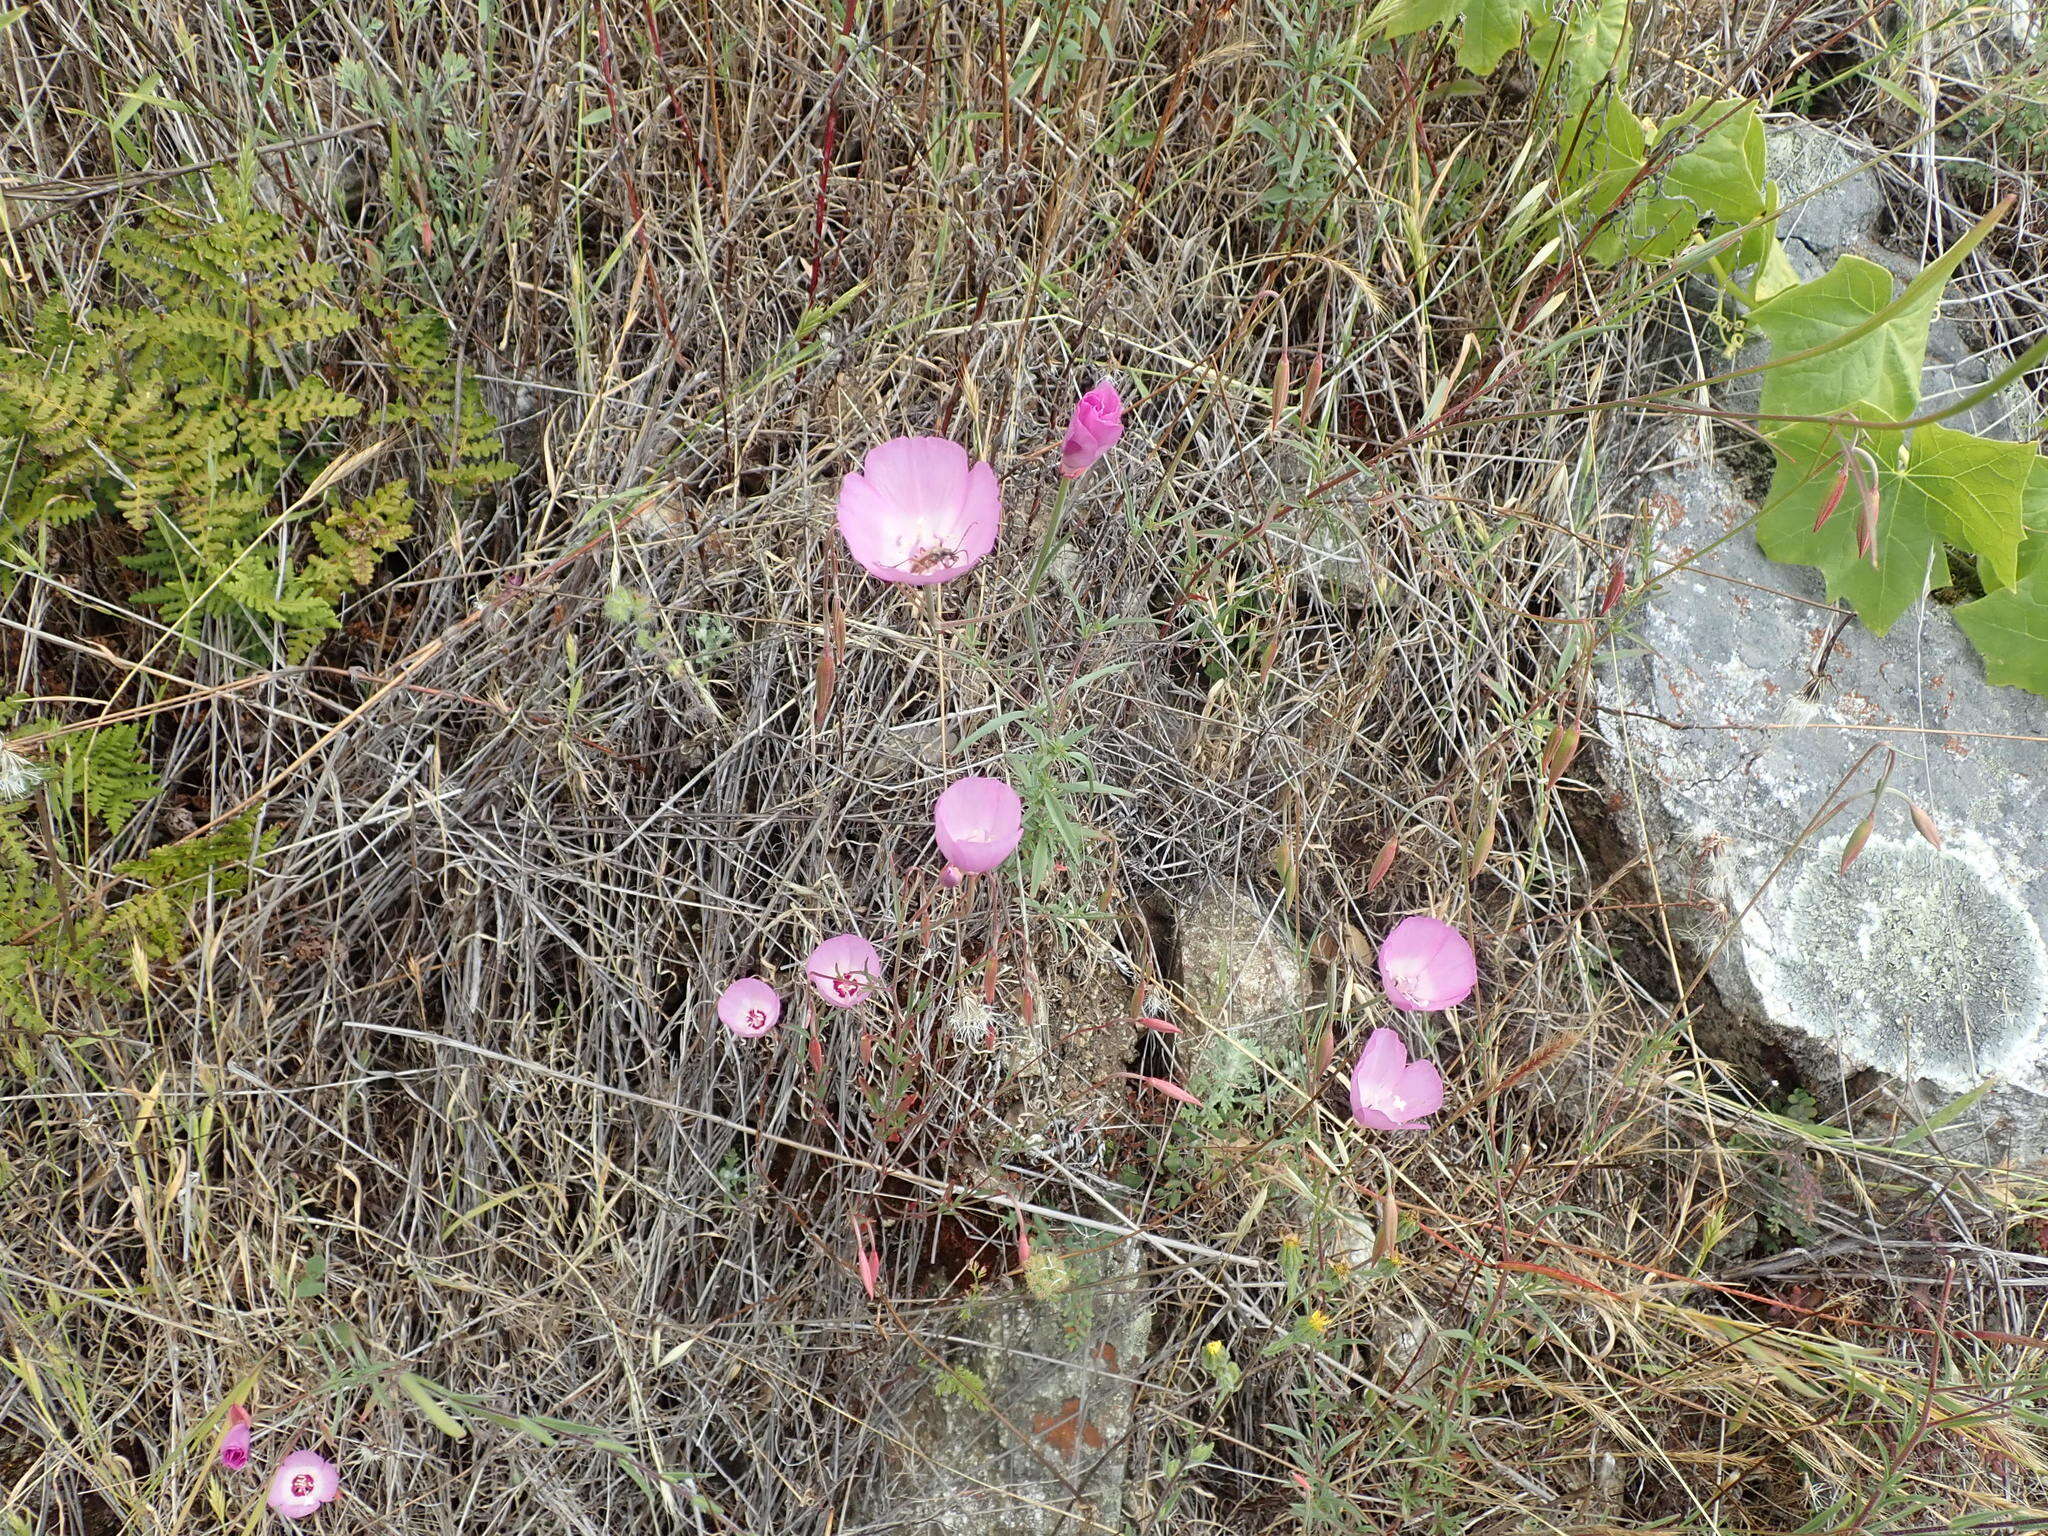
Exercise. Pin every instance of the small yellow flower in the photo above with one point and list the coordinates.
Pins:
(1319, 1321)
(1213, 1349)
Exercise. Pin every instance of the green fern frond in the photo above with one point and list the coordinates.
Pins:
(188, 404)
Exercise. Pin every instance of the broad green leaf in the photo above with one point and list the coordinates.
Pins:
(1604, 159)
(1398, 18)
(1580, 51)
(1968, 489)
(1843, 337)
(2034, 519)
(1774, 273)
(1909, 554)
(1714, 176)
(1822, 373)
(2009, 627)
(1492, 29)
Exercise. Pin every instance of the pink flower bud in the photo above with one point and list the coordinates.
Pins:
(303, 1482)
(1097, 423)
(749, 1008)
(1426, 964)
(1391, 1093)
(950, 877)
(844, 969)
(978, 823)
(917, 513)
(234, 1445)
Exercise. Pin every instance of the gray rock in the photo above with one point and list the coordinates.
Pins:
(1927, 966)
(1242, 975)
(1829, 191)
(1035, 1440)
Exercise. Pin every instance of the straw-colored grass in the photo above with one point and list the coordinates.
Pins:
(434, 1127)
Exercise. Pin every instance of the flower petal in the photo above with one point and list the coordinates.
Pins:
(1421, 1089)
(1426, 964)
(919, 474)
(873, 533)
(981, 518)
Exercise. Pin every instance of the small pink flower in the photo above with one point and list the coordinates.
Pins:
(1426, 964)
(977, 823)
(1389, 1092)
(1098, 422)
(234, 1445)
(844, 969)
(916, 512)
(749, 1008)
(303, 1482)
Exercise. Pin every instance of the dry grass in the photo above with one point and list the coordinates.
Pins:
(443, 1094)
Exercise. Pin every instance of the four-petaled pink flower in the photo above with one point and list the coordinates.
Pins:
(917, 512)
(234, 1445)
(844, 969)
(303, 1482)
(1388, 1091)
(977, 823)
(1097, 423)
(749, 1008)
(1426, 964)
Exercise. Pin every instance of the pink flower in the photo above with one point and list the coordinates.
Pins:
(977, 823)
(1098, 422)
(1389, 1092)
(917, 513)
(1426, 964)
(303, 1482)
(844, 969)
(234, 1445)
(749, 1008)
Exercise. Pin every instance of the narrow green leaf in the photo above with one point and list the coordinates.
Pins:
(421, 1393)
(1946, 1114)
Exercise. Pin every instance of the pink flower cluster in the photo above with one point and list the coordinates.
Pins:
(977, 823)
(1425, 964)
(301, 1483)
(920, 512)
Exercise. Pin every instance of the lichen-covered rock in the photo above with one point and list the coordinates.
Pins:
(1242, 975)
(1025, 1429)
(1737, 714)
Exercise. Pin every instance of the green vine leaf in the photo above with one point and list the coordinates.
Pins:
(2009, 628)
(1814, 371)
(1585, 48)
(1969, 490)
(1493, 28)
(1943, 486)
(1715, 178)
(1908, 554)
